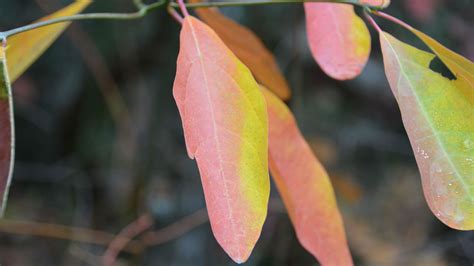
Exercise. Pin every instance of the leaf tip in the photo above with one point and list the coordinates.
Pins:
(239, 254)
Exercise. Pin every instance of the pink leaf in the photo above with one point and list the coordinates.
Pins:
(338, 38)
(225, 127)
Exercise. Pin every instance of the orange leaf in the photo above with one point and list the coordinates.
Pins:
(248, 48)
(305, 188)
(225, 127)
(338, 38)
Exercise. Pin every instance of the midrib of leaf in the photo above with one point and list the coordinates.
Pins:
(428, 121)
(214, 127)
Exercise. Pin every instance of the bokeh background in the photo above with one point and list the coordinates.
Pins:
(100, 143)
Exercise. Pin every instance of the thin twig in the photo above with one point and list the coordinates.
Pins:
(372, 21)
(175, 14)
(139, 4)
(124, 240)
(267, 2)
(145, 9)
(392, 19)
(124, 237)
(176, 229)
(91, 16)
(65, 233)
(102, 238)
(99, 70)
(182, 7)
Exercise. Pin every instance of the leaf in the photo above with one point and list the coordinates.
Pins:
(339, 39)
(439, 121)
(25, 48)
(461, 67)
(6, 132)
(248, 48)
(305, 188)
(376, 3)
(225, 127)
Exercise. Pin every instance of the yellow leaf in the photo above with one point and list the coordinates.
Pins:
(462, 68)
(25, 48)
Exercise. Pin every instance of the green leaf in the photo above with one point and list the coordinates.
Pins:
(438, 118)
(461, 67)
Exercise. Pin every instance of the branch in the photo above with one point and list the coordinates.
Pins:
(372, 21)
(176, 229)
(144, 9)
(163, 235)
(265, 2)
(392, 19)
(123, 241)
(124, 237)
(64, 232)
(98, 68)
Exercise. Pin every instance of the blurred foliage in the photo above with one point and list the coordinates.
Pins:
(77, 165)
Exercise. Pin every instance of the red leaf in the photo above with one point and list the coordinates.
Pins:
(6, 132)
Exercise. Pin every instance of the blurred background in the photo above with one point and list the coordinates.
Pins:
(100, 144)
